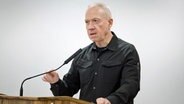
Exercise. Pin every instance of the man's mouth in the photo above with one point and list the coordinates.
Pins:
(92, 33)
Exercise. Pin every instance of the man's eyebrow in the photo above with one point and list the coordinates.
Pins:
(87, 20)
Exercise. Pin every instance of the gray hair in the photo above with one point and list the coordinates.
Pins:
(102, 6)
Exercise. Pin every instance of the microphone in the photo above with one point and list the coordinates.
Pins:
(65, 62)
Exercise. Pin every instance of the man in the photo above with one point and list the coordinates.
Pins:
(106, 71)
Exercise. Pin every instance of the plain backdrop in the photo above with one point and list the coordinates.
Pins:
(38, 35)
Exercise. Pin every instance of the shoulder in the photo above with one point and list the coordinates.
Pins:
(122, 44)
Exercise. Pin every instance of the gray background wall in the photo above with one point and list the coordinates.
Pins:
(38, 35)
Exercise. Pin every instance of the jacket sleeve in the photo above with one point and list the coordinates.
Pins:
(69, 85)
(130, 79)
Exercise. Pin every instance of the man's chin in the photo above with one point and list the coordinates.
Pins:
(92, 38)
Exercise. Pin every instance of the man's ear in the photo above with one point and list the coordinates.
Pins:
(110, 22)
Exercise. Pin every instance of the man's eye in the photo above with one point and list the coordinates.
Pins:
(96, 21)
(86, 22)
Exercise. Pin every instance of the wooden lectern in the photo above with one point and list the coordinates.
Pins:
(4, 99)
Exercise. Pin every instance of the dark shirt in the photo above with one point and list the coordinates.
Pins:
(112, 72)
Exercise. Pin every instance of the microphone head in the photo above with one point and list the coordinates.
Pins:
(73, 56)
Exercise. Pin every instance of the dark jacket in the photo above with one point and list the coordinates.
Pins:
(112, 72)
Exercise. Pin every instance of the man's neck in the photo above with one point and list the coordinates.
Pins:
(106, 41)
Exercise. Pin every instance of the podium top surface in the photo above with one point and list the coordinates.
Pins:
(63, 98)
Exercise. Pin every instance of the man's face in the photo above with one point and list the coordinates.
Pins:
(97, 24)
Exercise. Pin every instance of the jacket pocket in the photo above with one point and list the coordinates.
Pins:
(84, 70)
(111, 71)
(111, 63)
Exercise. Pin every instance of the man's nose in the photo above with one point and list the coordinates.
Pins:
(90, 26)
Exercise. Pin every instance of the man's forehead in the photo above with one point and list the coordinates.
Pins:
(94, 16)
(95, 13)
(95, 10)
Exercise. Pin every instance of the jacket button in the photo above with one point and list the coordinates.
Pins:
(94, 88)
